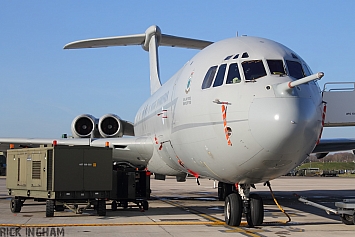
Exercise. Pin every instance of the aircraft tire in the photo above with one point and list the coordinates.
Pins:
(347, 219)
(15, 205)
(233, 209)
(256, 213)
(49, 208)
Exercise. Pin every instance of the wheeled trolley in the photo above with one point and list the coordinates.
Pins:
(76, 178)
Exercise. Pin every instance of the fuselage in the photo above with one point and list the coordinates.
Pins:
(222, 115)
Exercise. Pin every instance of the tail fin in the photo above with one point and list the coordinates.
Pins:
(150, 41)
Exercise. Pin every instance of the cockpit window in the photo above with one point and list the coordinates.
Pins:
(233, 74)
(236, 56)
(245, 55)
(294, 56)
(306, 70)
(253, 69)
(220, 75)
(276, 67)
(295, 69)
(207, 81)
(228, 57)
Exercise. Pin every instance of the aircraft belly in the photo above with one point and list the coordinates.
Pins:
(160, 165)
(266, 166)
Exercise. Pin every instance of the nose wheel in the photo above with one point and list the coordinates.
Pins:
(255, 214)
(233, 209)
(237, 204)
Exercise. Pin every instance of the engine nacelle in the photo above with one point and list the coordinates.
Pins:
(84, 126)
(110, 125)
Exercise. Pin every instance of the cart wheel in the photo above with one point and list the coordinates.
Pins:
(49, 208)
(114, 206)
(15, 205)
(347, 219)
(101, 207)
(145, 205)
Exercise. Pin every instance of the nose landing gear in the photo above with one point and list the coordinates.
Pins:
(242, 202)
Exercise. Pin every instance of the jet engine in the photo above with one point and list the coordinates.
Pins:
(84, 126)
(110, 125)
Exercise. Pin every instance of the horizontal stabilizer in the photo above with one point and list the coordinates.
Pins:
(139, 39)
(106, 42)
(174, 41)
(150, 41)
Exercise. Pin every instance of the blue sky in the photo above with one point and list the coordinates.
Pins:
(43, 87)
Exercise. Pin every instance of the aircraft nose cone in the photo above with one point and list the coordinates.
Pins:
(284, 125)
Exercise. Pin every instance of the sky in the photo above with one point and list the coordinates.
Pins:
(44, 87)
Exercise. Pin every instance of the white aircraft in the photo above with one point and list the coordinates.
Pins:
(244, 110)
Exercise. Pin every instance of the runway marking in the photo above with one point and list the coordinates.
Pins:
(217, 221)
(116, 224)
(203, 215)
(246, 232)
(211, 221)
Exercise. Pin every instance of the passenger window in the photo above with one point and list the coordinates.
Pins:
(276, 67)
(253, 69)
(233, 74)
(220, 75)
(295, 69)
(207, 81)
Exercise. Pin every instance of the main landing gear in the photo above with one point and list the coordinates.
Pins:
(240, 202)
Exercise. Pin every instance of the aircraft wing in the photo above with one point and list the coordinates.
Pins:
(135, 150)
(333, 145)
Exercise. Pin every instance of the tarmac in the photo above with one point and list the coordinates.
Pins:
(188, 209)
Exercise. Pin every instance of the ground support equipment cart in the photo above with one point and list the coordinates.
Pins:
(62, 176)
